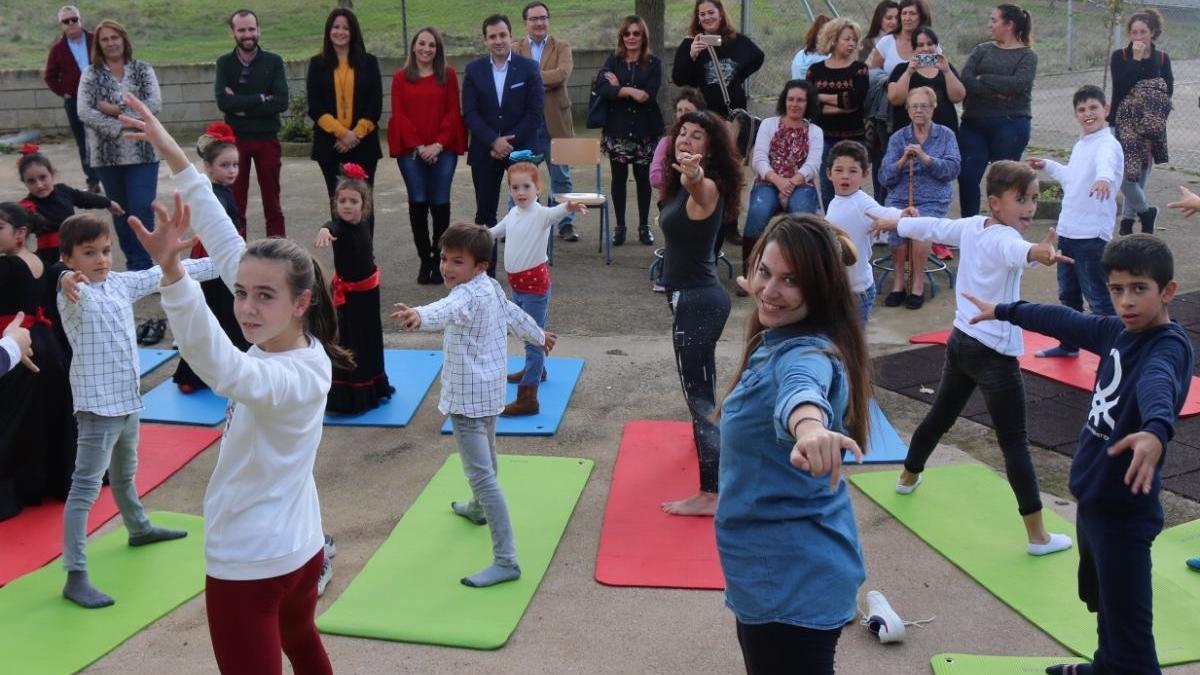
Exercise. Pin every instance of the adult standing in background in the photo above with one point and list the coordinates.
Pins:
(251, 89)
(997, 112)
(896, 47)
(426, 135)
(502, 103)
(841, 83)
(884, 21)
(1140, 61)
(555, 58)
(737, 59)
(345, 100)
(67, 60)
(128, 169)
(628, 83)
(809, 54)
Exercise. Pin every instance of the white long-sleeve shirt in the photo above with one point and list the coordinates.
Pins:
(760, 156)
(1096, 156)
(262, 517)
(527, 233)
(105, 373)
(852, 215)
(476, 317)
(991, 261)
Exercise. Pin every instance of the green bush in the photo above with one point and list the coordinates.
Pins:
(297, 128)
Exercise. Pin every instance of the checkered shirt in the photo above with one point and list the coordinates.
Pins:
(105, 374)
(476, 317)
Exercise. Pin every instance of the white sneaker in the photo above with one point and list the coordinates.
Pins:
(882, 619)
(330, 548)
(326, 576)
(902, 489)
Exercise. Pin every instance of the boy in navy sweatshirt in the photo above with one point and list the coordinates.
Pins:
(1146, 367)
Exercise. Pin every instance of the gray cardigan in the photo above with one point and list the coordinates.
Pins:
(104, 143)
(999, 82)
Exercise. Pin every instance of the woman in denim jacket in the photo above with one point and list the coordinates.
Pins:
(785, 526)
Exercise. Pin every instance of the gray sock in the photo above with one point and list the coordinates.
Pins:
(81, 592)
(464, 509)
(493, 574)
(156, 534)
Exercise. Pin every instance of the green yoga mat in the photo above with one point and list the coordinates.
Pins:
(46, 633)
(410, 590)
(974, 664)
(968, 513)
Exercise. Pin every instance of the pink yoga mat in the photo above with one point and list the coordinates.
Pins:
(34, 537)
(639, 544)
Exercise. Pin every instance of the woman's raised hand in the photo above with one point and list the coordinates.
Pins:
(167, 240)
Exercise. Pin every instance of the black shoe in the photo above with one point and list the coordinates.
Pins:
(645, 236)
(567, 232)
(618, 235)
(424, 273)
(914, 301)
(1148, 217)
(894, 299)
(142, 329)
(435, 275)
(1126, 226)
(155, 330)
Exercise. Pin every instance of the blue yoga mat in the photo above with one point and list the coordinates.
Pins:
(151, 359)
(411, 372)
(884, 443)
(553, 396)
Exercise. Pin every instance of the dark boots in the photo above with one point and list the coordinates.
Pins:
(418, 220)
(441, 221)
(645, 236)
(1147, 219)
(526, 403)
(618, 235)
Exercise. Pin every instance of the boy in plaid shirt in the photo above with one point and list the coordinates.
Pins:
(476, 317)
(97, 314)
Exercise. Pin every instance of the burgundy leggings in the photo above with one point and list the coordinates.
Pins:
(250, 621)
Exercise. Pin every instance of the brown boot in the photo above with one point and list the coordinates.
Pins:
(526, 403)
(516, 377)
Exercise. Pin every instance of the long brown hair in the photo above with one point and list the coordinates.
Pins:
(623, 53)
(412, 72)
(304, 273)
(818, 254)
(881, 10)
(728, 32)
(723, 163)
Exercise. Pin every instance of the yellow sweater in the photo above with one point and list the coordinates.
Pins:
(343, 89)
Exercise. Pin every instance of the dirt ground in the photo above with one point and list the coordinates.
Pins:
(607, 315)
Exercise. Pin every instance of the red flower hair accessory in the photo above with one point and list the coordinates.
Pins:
(354, 171)
(221, 132)
(29, 148)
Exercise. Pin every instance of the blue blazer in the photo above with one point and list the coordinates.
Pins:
(5, 363)
(520, 113)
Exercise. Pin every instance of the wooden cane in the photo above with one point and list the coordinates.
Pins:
(912, 168)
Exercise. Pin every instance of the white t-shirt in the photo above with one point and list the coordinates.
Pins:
(526, 233)
(886, 46)
(991, 261)
(852, 216)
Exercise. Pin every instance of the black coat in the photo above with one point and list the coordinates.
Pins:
(626, 117)
(368, 104)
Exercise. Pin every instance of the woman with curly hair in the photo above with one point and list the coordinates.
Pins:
(841, 82)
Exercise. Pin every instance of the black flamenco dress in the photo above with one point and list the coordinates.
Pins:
(218, 298)
(37, 419)
(360, 329)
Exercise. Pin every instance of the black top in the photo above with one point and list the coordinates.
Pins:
(1126, 72)
(252, 117)
(627, 117)
(22, 292)
(224, 194)
(739, 59)
(367, 104)
(850, 84)
(688, 260)
(61, 202)
(353, 250)
(945, 114)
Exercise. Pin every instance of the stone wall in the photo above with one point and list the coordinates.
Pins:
(187, 92)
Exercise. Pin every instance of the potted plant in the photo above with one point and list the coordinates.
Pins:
(295, 136)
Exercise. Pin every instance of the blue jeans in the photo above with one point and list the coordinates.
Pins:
(476, 438)
(1084, 279)
(428, 183)
(560, 176)
(70, 105)
(764, 204)
(134, 187)
(1134, 191)
(866, 300)
(537, 307)
(102, 440)
(982, 141)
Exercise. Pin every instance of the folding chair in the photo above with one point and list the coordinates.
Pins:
(584, 152)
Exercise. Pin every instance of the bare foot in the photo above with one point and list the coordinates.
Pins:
(700, 504)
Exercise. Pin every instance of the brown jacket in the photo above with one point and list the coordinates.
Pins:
(556, 71)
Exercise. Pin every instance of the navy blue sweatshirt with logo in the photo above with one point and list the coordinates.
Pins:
(1141, 386)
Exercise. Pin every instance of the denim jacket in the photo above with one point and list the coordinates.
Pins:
(788, 544)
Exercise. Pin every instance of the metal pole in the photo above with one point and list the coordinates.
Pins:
(811, 15)
(1070, 33)
(404, 20)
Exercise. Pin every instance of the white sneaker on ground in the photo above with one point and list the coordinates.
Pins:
(326, 576)
(1058, 542)
(882, 620)
(903, 489)
(330, 548)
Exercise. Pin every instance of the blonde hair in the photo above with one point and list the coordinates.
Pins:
(833, 30)
(928, 92)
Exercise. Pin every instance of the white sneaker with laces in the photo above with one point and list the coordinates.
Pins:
(330, 548)
(326, 576)
(882, 620)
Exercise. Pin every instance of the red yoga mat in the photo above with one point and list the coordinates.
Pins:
(34, 537)
(1078, 372)
(639, 544)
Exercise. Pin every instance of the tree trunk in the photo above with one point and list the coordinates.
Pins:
(654, 13)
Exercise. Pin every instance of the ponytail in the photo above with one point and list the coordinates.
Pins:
(1021, 20)
(304, 273)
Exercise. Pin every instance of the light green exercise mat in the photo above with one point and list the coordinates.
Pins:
(410, 590)
(968, 513)
(974, 664)
(46, 633)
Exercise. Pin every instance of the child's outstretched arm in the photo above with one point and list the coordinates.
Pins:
(217, 232)
(1046, 251)
(455, 308)
(1188, 204)
(1093, 333)
(524, 327)
(1157, 401)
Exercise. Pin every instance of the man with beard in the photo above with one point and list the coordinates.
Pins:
(251, 89)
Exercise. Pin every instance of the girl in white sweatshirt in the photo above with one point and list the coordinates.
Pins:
(262, 520)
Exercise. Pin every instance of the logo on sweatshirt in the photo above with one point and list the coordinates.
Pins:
(1104, 398)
